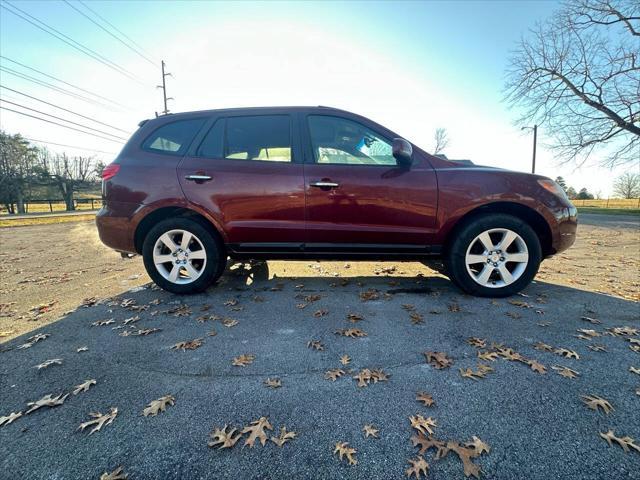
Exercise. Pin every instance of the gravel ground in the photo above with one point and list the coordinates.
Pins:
(535, 424)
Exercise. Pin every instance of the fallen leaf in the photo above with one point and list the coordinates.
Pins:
(334, 374)
(189, 345)
(416, 318)
(567, 353)
(590, 320)
(354, 317)
(9, 418)
(438, 360)
(634, 370)
(48, 363)
(46, 401)
(83, 387)
(117, 474)
(366, 376)
(488, 356)
(565, 371)
(594, 402)
(478, 445)
(273, 382)
(284, 437)
(419, 467)
(351, 332)
(454, 307)
(159, 405)
(243, 360)
(369, 295)
(370, 431)
(625, 442)
(315, 345)
(423, 425)
(320, 313)
(99, 420)
(82, 349)
(229, 322)
(597, 348)
(182, 310)
(537, 366)
(543, 346)
(425, 398)
(222, 439)
(256, 431)
(33, 340)
(477, 342)
(345, 359)
(102, 323)
(343, 449)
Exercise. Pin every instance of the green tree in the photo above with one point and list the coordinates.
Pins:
(18, 171)
(584, 194)
(560, 181)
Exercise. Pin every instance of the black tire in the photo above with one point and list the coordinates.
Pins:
(464, 235)
(215, 255)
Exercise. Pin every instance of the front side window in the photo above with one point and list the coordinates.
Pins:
(263, 137)
(173, 137)
(340, 141)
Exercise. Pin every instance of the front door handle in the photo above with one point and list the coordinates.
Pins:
(198, 178)
(324, 184)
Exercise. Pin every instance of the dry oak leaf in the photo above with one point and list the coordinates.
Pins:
(423, 425)
(425, 398)
(567, 353)
(426, 443)
(438, 359)
(82, 349)
(46, 401)
(9, 418)
(465, 455)
(543, 346)
(99, 420)
(48, 363)
(320, 313)
(222, 439)
(231, 303)
(591, 320)
(488, 356)
(284, 437)
(273, 382)
(625, 442)
(334, 374)
(345, 359)
(312, 298)
(182, 310)
(416, 318)
(189, 345)
(588, 333)
(408, 307)
(351, 332)
(477, 342)
(594, 402)
(597, 348)
(117, 474)
(243, 360)
(634, 370)
(315, 344)
(370, 431)
(33, 340)
(371, 294)
(565, 371)
(256, 431)
(129, 320)
(159, 405)
(229, 322)
(354, 317)
(419, 467)
(344, 450)
(83, 387)
(537, 366)
(102, 323)
(478, 445)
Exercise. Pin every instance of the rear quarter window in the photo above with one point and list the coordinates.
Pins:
(173, 138)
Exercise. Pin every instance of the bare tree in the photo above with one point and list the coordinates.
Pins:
(67, 173)
(578, 74)
(17, 171)
(627, 185)
(442, 140)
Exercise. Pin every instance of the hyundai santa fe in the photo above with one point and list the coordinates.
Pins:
(190, 190)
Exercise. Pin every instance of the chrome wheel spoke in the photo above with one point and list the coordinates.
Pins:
(472, 259)
(168, 242)
(197, 255)
(191, 270)
(507, 240)
(175, 262)
(517, 257)
(486, 241)
(173, 275)
(186, 239)
(159, 259)
(507, 278)
(484, 274)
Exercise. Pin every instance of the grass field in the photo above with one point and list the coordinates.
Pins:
(25, 222)
(611, 203)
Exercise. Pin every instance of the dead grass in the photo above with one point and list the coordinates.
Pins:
(26, 222)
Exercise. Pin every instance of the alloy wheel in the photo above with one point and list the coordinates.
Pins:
(179, 256)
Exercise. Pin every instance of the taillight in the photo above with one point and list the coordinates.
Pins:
(110, 171)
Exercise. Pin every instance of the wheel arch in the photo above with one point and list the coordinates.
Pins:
(163, 213)
(525, 213)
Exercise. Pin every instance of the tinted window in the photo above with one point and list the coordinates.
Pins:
(173, 137)
(212, 145)
(265, 137)
(340, 141)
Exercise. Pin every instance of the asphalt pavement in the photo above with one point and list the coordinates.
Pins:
(535, 424)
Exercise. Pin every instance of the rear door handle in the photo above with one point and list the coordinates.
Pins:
(324, 184)
(198, 178)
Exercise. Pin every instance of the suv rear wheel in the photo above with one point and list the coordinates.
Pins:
(182, 256)
(494, 255)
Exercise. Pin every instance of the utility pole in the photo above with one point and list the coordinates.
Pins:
(164, 89)
(535, 141)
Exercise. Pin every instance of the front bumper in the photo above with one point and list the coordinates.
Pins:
(564, 233)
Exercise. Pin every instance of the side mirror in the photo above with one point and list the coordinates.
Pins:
(402, 152)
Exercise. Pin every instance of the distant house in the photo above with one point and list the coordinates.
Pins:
(463, 161)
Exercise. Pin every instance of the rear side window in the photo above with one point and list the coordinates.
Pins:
(264, 137)
(174, 137)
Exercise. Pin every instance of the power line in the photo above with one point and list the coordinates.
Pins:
(114, 36)
(70, 41)
(62, 108)
(59, 124)
(116, 29)
(24, 76)
(69, 146)
(62, 119)
(61, 81)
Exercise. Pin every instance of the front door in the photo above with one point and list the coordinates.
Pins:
(245, 172)
(357, 194)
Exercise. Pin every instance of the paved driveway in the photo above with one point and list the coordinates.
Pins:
(535, 424)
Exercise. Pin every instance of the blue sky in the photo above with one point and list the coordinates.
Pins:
(413, 66)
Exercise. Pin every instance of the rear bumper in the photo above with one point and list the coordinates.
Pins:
(115, 226)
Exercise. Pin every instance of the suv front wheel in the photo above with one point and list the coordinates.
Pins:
(494, 255)
(182, 256)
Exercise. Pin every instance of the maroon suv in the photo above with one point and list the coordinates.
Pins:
(192, 189)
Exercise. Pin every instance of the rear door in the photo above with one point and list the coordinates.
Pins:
(357, 195)
(246, 171)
